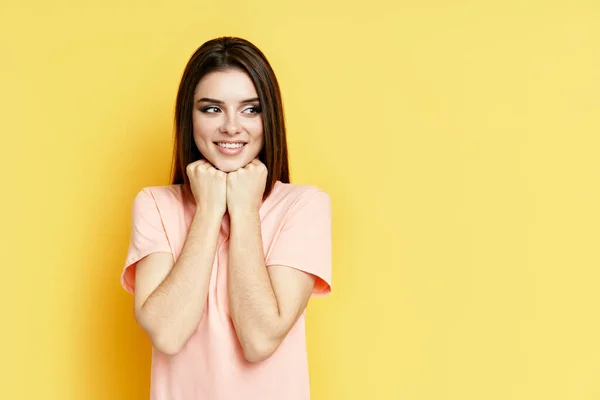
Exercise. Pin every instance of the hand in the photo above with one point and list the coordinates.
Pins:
(208, 186)
(246, 187)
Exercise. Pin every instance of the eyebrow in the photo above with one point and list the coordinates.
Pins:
(209, 100)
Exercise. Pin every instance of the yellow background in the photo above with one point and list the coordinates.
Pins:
(458, 140)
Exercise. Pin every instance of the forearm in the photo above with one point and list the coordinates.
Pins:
(172, 312)
(253, 304)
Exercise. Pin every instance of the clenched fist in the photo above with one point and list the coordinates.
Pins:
(209, 186)
(246, 187)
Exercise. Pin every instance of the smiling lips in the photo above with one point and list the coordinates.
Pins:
(230, 148)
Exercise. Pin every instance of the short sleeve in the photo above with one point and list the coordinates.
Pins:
(304, 241)
(147, 236)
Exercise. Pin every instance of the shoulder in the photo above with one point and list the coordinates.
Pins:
(159, 196)
(288, 197)
(168, 191)
(289, 192)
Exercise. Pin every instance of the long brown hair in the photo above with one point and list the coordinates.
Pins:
(222, 54)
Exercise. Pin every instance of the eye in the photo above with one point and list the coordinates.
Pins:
(210, 109)
(252, 110)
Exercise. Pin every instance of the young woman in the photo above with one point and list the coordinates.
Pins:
(223, 261)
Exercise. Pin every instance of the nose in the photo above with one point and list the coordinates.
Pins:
(231, 125)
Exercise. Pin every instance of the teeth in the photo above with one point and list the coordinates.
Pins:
(230, 145)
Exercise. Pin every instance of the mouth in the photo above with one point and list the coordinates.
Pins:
(231, 145)
(230, 148)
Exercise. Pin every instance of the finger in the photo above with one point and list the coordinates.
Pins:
(259, 164)
(196, 164)
(207, 165)
(251, 164)
(204, 163)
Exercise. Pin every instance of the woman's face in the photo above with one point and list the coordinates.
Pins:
(227, 119)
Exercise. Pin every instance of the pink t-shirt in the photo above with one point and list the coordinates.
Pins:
(296, 232)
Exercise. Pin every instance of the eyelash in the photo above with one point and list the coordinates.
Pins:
(255, 109)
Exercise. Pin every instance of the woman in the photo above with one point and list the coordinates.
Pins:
(223, 261)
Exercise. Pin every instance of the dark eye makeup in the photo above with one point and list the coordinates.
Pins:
(215, 109)
(208, 109)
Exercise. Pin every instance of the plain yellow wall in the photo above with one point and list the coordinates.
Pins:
(459, 142)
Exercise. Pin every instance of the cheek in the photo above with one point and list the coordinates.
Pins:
(203, 128)
(255, 129)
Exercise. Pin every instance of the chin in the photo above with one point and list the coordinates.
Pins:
(228, 170)
(228, 166)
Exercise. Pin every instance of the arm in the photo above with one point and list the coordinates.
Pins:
(169, 302)
(264, 304)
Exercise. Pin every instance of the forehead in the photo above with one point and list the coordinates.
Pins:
(230, 85)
